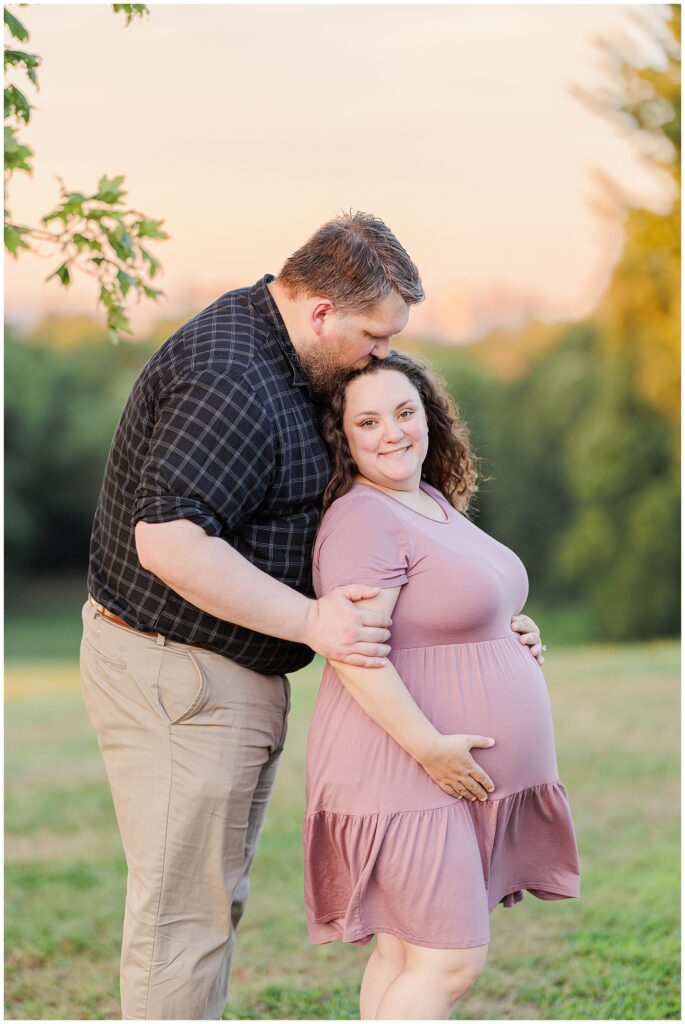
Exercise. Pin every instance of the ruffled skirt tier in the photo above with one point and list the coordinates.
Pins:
(433, 877)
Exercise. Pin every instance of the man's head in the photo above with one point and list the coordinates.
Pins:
(344, 294)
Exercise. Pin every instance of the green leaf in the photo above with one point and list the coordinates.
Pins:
(150, 260)
(131, 11)
(62, 273)
(16, 104)
(55, 215)
(82, 241)
(98, 214)
(152, 293)
(16, 28)
(16, 153)
(126, 282)
(151, 229)
(118, 319)
(106, 297)
(110, 190)
(13, 238)
(121, 242)
(74, 203)
(31, 61)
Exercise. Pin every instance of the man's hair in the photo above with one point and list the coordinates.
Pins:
(355, 261)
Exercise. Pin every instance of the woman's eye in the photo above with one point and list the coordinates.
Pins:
(366, 423)
(409, 412)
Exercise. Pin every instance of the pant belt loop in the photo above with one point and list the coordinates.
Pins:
(96, 605)
(161, 640)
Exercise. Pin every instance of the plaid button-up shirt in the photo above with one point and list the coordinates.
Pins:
(220, 428)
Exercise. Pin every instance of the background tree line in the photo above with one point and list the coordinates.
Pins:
(577, 427)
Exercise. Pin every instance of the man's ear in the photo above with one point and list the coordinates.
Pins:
(320, 310)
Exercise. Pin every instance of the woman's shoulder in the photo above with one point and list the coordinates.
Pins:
(362, 507)
(357, 500)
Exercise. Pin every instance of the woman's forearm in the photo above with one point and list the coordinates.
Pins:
(384, 697)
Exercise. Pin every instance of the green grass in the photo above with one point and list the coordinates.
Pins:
(43, 620)
(612, 954)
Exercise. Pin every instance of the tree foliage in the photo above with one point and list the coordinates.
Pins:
(61, 408)
(622, 547)
(640, 313)
(94, 232)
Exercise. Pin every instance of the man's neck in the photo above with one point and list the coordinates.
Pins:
(291, 312)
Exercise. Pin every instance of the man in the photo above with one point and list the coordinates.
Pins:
(200, 596)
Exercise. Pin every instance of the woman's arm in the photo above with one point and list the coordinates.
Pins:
(385, 698)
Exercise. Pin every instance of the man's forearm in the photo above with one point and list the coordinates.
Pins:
(213, 576)
(384, 697)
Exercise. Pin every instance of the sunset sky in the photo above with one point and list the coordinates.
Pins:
(246, 127)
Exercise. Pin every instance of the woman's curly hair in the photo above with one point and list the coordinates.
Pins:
(450, 465)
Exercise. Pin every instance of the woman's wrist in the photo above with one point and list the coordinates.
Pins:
(426, 744)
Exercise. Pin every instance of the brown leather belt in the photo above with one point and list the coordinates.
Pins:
(106, 614)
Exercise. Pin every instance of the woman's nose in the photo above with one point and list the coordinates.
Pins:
(392, 431)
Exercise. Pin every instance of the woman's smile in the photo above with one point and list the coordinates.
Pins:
(398, 451)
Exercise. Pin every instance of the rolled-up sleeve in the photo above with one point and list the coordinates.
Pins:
(210, 457)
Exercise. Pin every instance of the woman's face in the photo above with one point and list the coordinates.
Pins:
(385, 426)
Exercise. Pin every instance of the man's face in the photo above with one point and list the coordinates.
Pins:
(347, 340)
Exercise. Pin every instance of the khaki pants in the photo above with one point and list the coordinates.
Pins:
(190, 742)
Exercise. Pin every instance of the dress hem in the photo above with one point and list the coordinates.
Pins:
(365, 936)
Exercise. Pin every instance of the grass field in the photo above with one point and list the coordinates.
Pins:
(611, 954)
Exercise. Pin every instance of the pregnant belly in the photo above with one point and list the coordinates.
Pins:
(491, 688)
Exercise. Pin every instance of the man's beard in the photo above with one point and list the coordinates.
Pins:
(320, 364)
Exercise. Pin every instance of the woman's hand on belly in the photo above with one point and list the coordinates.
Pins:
(449, 763)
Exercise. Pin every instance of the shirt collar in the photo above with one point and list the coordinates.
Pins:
(262, 300)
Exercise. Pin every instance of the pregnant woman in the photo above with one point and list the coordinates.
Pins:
(396, 845)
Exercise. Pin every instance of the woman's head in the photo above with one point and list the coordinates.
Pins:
(394, 423)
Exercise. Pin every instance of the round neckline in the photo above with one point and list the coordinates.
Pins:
(446, 507)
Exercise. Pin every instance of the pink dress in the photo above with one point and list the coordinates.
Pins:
(385, 849)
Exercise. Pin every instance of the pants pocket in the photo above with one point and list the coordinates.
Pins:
(181, 684)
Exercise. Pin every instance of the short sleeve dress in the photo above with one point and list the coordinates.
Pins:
(385, 849)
